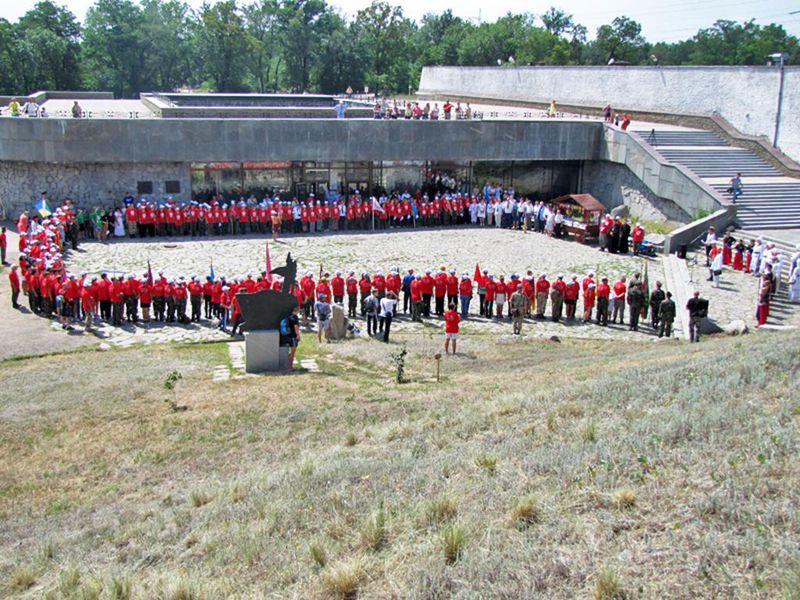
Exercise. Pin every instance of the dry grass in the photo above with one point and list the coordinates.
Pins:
(255, 489)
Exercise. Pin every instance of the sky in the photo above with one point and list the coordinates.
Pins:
(661, 20)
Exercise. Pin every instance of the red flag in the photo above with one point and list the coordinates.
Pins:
(478, 277)
(269, 266)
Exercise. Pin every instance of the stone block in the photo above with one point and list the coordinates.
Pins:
(262, 351)
(338, 322)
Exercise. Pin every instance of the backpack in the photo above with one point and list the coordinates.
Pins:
(284, 328)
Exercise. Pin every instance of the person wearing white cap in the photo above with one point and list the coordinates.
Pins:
(571, 297)
(557, 292)
(542, 290)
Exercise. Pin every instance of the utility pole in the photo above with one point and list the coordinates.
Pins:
(781, 57)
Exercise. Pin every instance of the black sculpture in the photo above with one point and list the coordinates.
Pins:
(265, 309)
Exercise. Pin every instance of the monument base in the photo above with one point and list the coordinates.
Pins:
(263, 353)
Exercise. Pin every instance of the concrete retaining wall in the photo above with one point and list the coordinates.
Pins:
(207, 140)
(689, 234)
(746, 96)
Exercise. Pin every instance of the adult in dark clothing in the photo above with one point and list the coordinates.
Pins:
(666, 316)
(635, 302)
(624, 235)
(290, 334)
(406, 287)
(613, 237)
(657, 296)
(698, 309)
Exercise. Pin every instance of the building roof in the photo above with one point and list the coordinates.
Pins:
(586, 201)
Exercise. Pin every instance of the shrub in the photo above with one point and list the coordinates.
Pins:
(318, 555)
(624, 498)
(350, 439)
(119, 589)
(488, 462)
(606, 586)
(453, 543)
(399, 360)
(200, 498)
(526, 512)
(441, 510)
(21, 579)
(69, 581)
(589, 431)
(343, 580)
(374, 534)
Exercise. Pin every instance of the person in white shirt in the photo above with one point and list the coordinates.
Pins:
(794, 277)
(498, 214)
(388, 304)
(755, 262)
(716, 267)
(482, 212)
(711, 239)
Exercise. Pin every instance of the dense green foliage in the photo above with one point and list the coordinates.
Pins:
(306, 45)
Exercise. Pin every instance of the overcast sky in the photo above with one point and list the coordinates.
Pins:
(669, 20)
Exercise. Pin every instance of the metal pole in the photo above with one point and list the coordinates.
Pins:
(780, 105)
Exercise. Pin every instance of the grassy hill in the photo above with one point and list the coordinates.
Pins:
(571, 469)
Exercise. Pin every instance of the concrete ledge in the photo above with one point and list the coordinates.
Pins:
(689, 234)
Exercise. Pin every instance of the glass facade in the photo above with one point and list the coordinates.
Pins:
(538, 179)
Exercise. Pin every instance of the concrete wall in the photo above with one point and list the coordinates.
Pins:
(617, 185)
(205, 140)
(691, 232)
(745, 96)
(89, 184)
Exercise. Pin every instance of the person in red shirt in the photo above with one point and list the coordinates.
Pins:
(3, 245)
(490, 287)
(465, 293)
(307, 285)
(618, 300)
(365, 289)
(337, 288)
(542, 289)
(116, 296)
(352, 294)
(131, 293)
(451, 321)
(195, 298)
(13, 280)
(451, 284)
(603, 293)
(440, 290)
(571, 294)
(323, 288)
(145, 298)
(88, 305)
(427, 292)
(557, 292)
(637, 236)
(416, 298)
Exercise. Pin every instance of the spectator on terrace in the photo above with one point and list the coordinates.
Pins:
(13, 108)
(77, 112)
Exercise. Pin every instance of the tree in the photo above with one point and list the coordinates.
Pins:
(48, 38)
(341, 62)
(386, 34)
(224, 45)
(621, 40)
(263, 32)
(166, 38)
(301, 22)
(113, 51)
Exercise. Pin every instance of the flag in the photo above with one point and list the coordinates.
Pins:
(211, 271)
(269, 266)
(478, 277)
(414, 209)
(149, 274)
(376, 206)
(646, 290)
(42, 208)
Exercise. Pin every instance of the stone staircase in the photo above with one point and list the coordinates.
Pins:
(770, 199)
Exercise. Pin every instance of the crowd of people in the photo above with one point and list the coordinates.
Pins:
(758, 258)
(151, 296)
(493, 206)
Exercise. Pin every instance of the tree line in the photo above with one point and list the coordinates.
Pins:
(306, 45)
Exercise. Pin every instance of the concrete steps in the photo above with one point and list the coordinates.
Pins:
(682, 138)
(767, 205)
(677, 281)
(721, 162)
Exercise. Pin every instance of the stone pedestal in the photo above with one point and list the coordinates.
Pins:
(262, 352)
(338, 322)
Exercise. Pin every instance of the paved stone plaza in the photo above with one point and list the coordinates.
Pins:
(500, 251)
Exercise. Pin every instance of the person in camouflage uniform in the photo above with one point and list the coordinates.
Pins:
(666, 316)
(519, 308)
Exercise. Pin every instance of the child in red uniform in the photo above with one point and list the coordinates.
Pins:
(451, 321)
